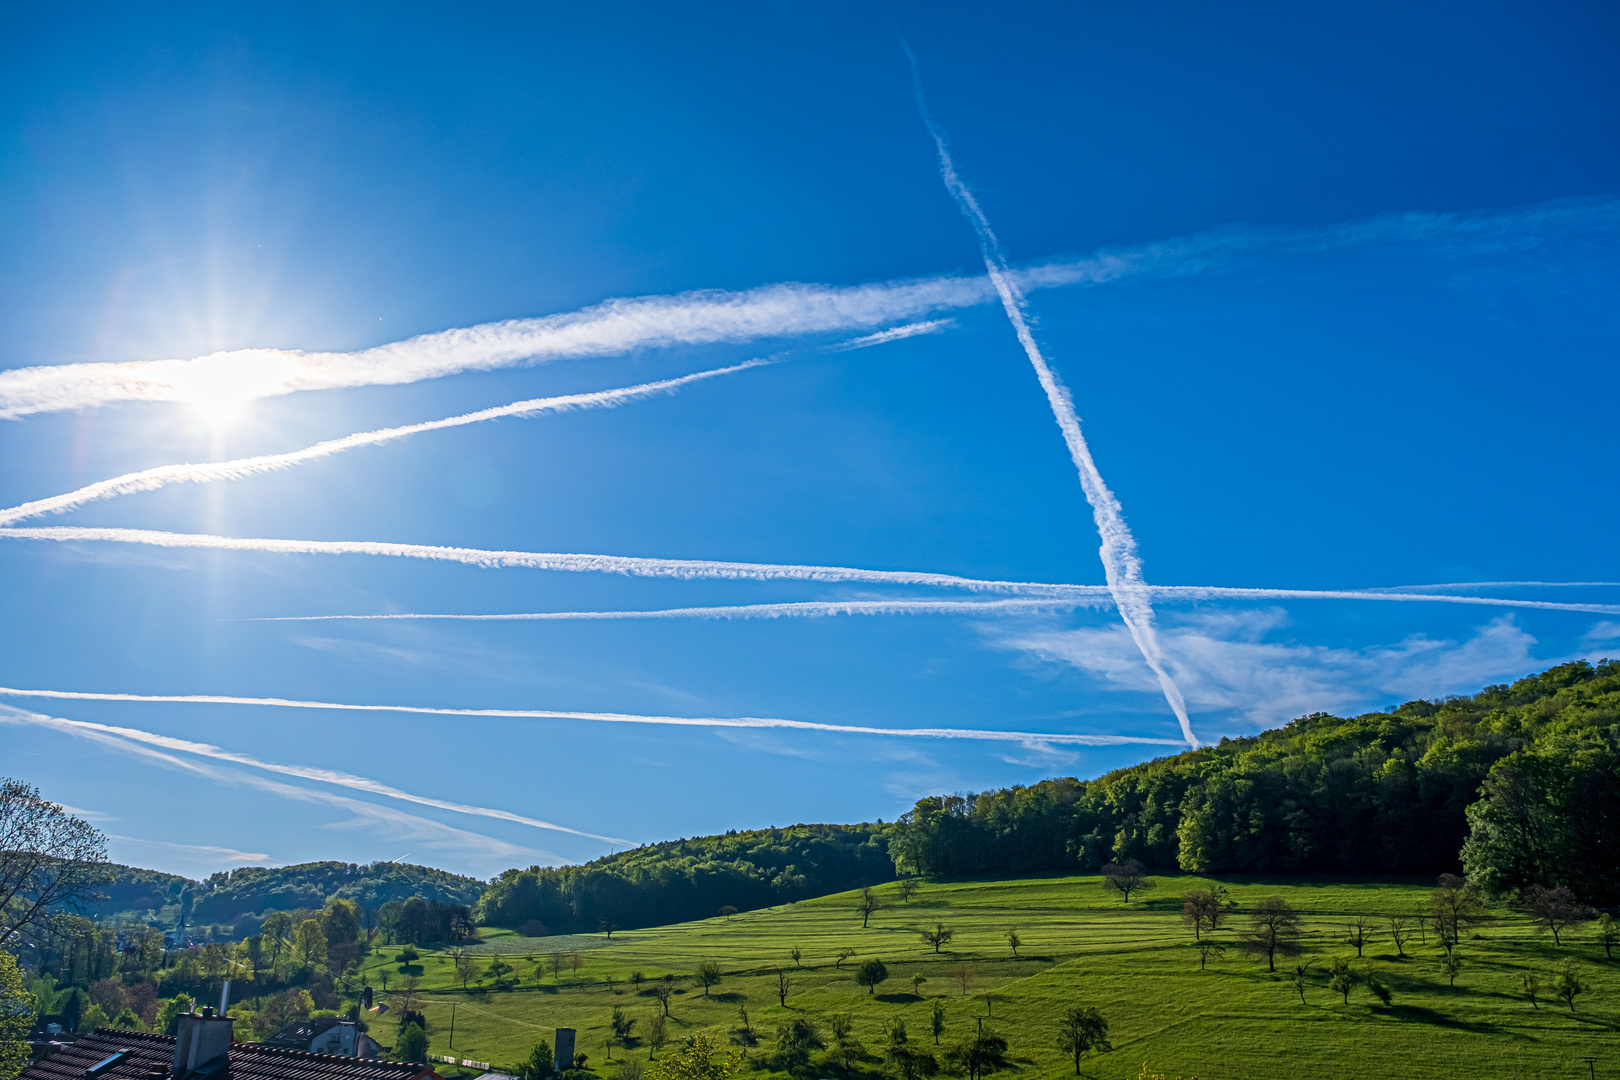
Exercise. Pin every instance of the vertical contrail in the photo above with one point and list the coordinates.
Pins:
(1121, 565)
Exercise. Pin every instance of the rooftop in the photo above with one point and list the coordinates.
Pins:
(149, 1057)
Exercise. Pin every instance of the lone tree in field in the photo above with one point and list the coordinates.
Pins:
(1340, 980)
(622, 1026)
(657, 1033)
(1208, 947)
(1569, 984)
(908, 888)
(466, 966)
(783, 985)
(662, 991)
(1400, 933)
(870, 974)
(1358, 932)
(938, 936)
(1201, 910)
(1014, 941)
(797, 955)
(606, 927)
(1274, 928)
(963, 976)
(50, 861)
(937, 1021)
(867, 904)
(1082, 1032)
(1532, 987)
(1554, 909)
(1453, 905)
(1125, 878)
(727, 911)
(708, 974)
(1608, 933)
(843, 954)
(1301, 980)
(1451, 965)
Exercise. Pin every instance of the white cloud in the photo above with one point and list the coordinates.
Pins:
(1227, 665)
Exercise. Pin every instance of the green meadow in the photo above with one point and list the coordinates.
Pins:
(1081, 946)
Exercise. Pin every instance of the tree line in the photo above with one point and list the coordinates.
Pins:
(691, 878)
(1519, 784)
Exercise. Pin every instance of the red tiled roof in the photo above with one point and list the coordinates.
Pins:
(146, 1054)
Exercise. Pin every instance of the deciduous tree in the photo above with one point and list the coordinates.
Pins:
(1569, 985)
(697, 1060)
(1126, 878)
(1208, 947)
(1083, 1031)
(1358, 932)
(1339, 978)
(50, 861)
(867, 904)
(871, 974)
(657, 1032)
(1201, 910)
(963, 976)
(1013, 941)
(938, 936)
(1608, 934)
(1554, 909)
(783, 985)
(707, 975)
(1399, 932)
(1274, 929)
(1532, 987)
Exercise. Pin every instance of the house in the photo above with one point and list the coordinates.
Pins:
(204, 1051)
(326, 1036)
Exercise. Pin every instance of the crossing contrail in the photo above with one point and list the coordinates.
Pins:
(1122, 567)
(621, 325)
(237, 469)
(704, 569)
(1097, 596)
(751, 722)
(325, 776)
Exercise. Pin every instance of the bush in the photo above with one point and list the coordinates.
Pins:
(413, 1043)
(533, 928)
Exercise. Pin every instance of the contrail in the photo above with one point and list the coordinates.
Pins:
(752, 722)
(163, 475)
(689, 569)
(785, 310)
(703, 569)
(824, 608)
(325, 776)
(1121, 565)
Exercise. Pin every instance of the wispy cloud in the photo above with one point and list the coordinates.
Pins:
(391, 823)
(755, 722)
(239, 468)
(774, 311)
(1228, 665)
(335, 777)
(1121, 565)
(223, 854)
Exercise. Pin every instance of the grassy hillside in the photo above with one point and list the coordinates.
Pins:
(1081, 947)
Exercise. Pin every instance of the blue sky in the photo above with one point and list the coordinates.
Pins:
(1332, 292)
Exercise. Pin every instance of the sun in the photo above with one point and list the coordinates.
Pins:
(219, 387)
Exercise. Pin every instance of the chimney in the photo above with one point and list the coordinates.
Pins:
(565, 1049)
(202, 1040)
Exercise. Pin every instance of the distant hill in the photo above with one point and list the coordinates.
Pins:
(1520, 784)
(227, 897)
(692, 879)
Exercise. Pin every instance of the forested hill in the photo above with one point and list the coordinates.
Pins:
(228, 897)
(692, 879)
(1528, 775)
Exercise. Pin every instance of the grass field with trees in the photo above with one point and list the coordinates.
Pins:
(1185, 997)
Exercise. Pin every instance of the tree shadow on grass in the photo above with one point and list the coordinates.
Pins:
(729, 997)
(1417, 1014)
(899, 999)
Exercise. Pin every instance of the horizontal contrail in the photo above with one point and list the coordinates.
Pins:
(208, 472)
(603, 564)
(702, 569)
(325, 776)
(696, 318)
(751, 722)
